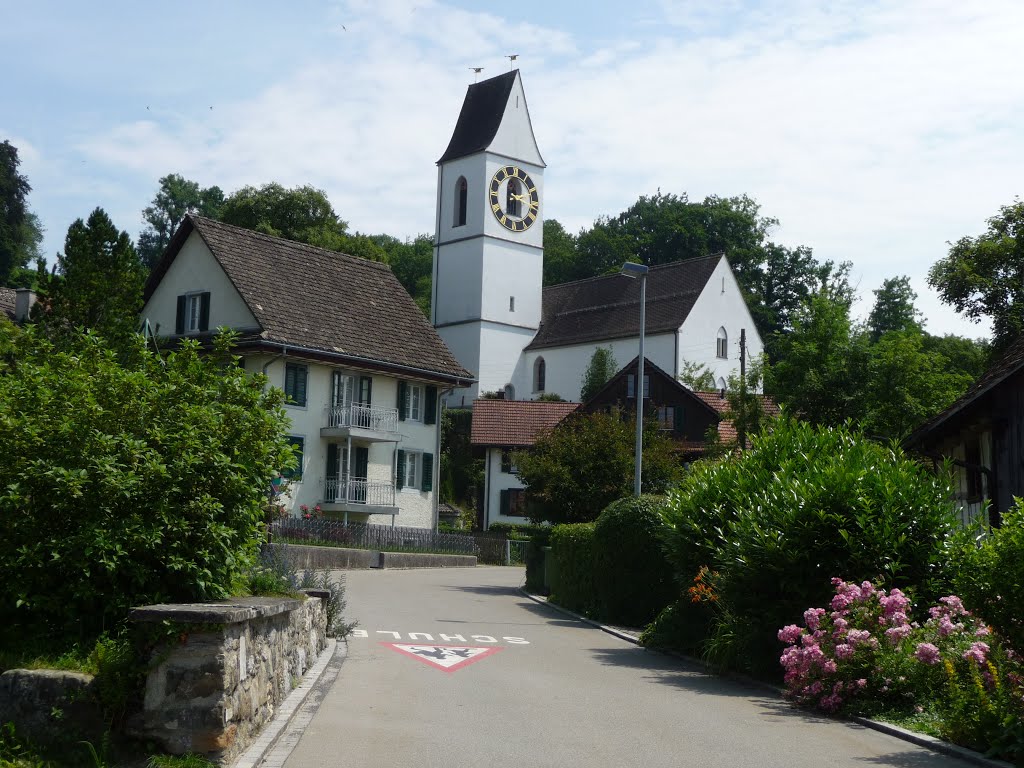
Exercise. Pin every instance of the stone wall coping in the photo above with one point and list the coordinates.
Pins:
(233, 611)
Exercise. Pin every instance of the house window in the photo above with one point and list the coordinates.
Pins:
(507, 464)
(298, 444)
(295, 377)
(415, 409)
(666, 417)
(972, 457)
(511, 303)
(193, 313)
(417, 402)
(415, 470)
(513, 502)
(631, 385)
(461, 201)
(722, 344)
(539, 374)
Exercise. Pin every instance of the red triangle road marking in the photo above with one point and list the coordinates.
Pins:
(447, 658)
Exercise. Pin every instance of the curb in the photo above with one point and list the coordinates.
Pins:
(292, 710)
(919, 739)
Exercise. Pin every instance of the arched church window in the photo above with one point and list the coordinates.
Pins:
(539, 373)
(510, 392)
(723, 344)
(720, 384)
(514, 195)
(461, 201)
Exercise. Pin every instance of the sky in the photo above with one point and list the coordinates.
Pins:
(876, 131)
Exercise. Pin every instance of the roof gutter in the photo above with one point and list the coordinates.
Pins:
(458, 381)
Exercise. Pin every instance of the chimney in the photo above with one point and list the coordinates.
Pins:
(24, 300)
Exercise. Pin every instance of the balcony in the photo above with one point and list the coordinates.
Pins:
(362, 422)
(374, 497)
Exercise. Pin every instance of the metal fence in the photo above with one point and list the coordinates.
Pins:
(385, 538)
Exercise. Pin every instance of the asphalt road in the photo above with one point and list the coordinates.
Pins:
(546, 690)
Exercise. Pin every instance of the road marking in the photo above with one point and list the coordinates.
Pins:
(447, 658)
(362, 634)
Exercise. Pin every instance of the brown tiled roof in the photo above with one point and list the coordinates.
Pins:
(7, 296)
(515, 423)
(1011, 361)
(726, 429)
(319, 300)
(608, 307)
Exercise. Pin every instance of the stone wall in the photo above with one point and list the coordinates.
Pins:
(339, 558)
(213, 688)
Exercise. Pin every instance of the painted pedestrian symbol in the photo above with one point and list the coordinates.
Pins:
(445, 657)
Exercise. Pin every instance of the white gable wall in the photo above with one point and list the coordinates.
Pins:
(195, 269)
(514, 137)
(496, 481)
(720, 304)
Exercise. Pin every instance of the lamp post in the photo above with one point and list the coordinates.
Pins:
(629, 269)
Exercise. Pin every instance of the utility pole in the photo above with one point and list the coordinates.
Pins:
(741, 416)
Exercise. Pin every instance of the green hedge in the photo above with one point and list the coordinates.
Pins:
(520, 531)
(572, 582)
(535, 559)
(632, 576)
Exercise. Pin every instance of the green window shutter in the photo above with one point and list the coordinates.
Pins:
(204, 311)
(400, 470)
(403, 397)
(427, 469)
(179, 318)
(430, 407)
(332, 460)
(362, 462)
(506, 502)
(677, 418)
(295, 473)
(365, 389)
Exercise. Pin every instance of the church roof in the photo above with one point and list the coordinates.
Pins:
(321, 302)
(480, 117)
(7, 299)
(515, 423)
(608, 307)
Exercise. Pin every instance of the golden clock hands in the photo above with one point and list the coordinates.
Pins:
(520, 198)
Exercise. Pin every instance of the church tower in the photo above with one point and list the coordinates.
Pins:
(488, 250)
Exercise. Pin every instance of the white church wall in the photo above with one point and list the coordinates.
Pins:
(458, 283)
(720, 305)
(514, 137)
(565, 366)
(512, 285)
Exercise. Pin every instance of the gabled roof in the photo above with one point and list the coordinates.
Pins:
(1011, 362)
(7, 301)
(650, 369)
(480, 117)
(321, 301)
(515, 423)
(608, 307)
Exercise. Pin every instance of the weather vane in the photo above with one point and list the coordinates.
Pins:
(511, 58)
(477, 70)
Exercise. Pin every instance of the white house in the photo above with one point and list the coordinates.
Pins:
(363, 369)
(501, 427)
(489, 305)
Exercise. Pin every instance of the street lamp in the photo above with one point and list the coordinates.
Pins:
(629, 269)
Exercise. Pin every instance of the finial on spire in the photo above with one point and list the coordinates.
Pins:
(477, 70)
(511, 58)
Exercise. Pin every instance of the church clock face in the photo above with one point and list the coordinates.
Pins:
(513, 198)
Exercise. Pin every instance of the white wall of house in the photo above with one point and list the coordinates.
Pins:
(496, 481)
(195, 270)
(565, 366)
(416, 506)
(720, 305)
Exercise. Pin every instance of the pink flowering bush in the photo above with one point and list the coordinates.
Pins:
(866, 654)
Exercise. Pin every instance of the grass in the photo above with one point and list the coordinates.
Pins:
(72, 659)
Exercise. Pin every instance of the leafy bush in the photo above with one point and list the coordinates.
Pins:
(682, 626)
(990, 577)
(774, 523)
(572, 583)
(633, 578)
(519, 531)
(865, 655)
(127, 484)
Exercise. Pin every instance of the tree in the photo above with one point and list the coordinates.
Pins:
(968, 356)
(412, 261)
(586, 462)
(598, 373)
(176, 197)
(821, 367)
(894, 309)
(303, 214)
(127, 486)
(697, 376)
(98, 283)
(17, 229)
(983, 276)
(746, 406)
(561, 264)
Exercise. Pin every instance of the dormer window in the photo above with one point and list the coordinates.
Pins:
(461, 202)
(722, 344)
(193, 315)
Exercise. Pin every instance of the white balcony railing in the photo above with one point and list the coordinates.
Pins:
(374, 493)
(363, 417)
